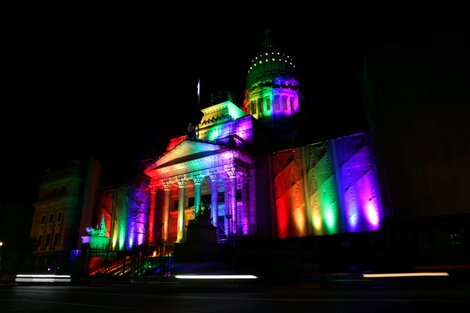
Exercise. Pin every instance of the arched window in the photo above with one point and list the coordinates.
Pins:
(276, 103)
(253, 107)
(284, 103)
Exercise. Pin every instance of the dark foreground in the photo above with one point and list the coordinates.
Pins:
(338, 294)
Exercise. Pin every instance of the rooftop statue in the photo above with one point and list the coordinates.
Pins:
(99, 230)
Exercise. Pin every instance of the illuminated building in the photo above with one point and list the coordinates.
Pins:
(313, 189)
(249, 167)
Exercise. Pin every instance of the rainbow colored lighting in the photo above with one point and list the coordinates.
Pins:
(224, 120)
(324, 188)
(121, 202)
(339, 180)
(278, 99)
(358, 179)
(139, 204)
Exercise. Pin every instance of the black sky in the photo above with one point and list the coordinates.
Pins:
(107, 81)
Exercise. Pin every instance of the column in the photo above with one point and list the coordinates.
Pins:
(197, 194)
(214, 199)
(166, 210)
(245, 210)
(152, 213)
(180, 232)
(231, 201)
(252, 217)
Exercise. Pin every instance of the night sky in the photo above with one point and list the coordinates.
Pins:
(112, 82)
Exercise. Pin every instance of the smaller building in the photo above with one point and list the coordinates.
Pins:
(65, 196)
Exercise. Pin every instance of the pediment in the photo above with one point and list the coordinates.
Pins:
(186, 151)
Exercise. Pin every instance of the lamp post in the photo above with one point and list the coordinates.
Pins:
(229, 217)
(1, 245)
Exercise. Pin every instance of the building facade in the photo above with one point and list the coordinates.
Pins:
(281, 191)
(243, 163)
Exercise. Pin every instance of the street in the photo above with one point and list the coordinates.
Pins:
(231, 297)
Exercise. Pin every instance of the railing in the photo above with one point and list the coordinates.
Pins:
(135, 264)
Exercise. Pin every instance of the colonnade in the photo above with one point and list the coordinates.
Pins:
(226, 179)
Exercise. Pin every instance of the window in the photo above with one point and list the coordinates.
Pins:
(40, 242)
(43, 219)
(276, 103)
(51, 217)
(191, 201)
(220, 221)
(221, 197)
(59, 217)
(175, 204)
(284, 103)
(260, 105)
(48, 240)
(268, 103)
(253, 107)
(238, 195)
(206, 198)
(56, 239)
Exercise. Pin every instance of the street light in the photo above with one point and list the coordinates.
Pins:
(1, 244)
(229, 217)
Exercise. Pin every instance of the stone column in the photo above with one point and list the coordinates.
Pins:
(151, 221)
(214, 199)
(166, 210)
(180, 232)
(231, 201)
(252, 217)
(197, 193)
(245, 210)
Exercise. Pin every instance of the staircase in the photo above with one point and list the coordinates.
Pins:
(157, 264)
(222, 237)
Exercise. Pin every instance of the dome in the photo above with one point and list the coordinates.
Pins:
(270, 62)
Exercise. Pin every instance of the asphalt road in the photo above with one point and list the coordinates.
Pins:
(234, 297)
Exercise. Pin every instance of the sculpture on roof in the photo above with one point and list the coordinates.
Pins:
(99, 230)
(191, 131)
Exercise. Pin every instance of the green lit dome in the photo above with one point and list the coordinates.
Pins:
(270, 62)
